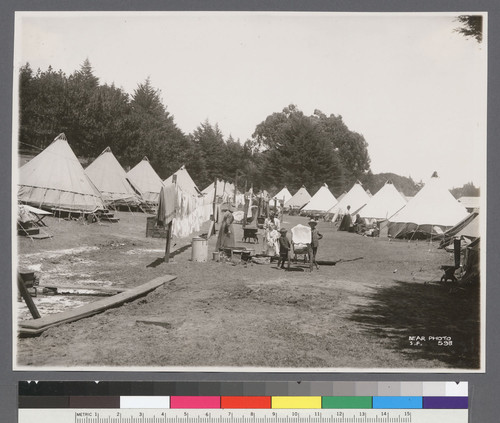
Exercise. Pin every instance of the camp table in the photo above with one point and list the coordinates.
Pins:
(38, 213)
(250, 233)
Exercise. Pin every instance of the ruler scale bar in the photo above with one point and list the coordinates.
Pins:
(258, 416)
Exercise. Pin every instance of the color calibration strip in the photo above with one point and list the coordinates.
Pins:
(249, 402)
(273, 395)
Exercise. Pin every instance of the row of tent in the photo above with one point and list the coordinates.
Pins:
(433, 210)
(56, 180)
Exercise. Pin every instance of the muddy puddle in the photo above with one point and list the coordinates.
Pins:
(50, 304)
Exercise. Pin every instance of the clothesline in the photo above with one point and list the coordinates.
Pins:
(186, 211)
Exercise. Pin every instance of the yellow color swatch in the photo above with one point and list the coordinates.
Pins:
(295, 402)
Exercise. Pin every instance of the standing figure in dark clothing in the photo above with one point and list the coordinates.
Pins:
(346, 222)
(284, 248)
(315, 237)
(225, 239)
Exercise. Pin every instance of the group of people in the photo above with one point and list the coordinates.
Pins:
(359, 225)
(285, 245)
(275, 237)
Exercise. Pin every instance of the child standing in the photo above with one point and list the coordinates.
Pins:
(284, 248)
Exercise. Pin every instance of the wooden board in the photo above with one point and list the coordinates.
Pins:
(34, 327)
(158, 321)
(63, 288)
(41, 236)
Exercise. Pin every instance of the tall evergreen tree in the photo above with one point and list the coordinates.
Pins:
(43, 106)
(156, 135)
(209, 142)
(81, 122)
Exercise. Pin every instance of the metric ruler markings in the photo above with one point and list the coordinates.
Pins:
(247, 416)
(141, 418)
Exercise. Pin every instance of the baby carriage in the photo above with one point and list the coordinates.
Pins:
(301, 240)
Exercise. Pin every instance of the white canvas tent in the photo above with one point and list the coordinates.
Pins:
(55, 180)
(385, 203)
(223, 188)
(184, 181)
(299, 199)
(341, 196)
(225, 191)
(471, 203)
(432, 211)
(108, 176)
(321, 202)
(144, 177)
(282, 196)
(472, 230)
(356, 197)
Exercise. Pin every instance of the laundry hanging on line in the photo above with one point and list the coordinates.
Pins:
(186, 212)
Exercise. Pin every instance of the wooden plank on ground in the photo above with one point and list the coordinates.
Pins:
(104, 289)
(158, 321)
(39, 325)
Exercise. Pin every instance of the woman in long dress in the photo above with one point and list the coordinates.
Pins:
(225, 239)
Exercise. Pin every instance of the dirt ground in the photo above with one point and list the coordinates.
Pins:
(360, 313)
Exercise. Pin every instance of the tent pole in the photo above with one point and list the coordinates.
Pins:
(27, 297)
(215, 199)
(245, 211)
(235, 187)
(169, 229)
(281, 216)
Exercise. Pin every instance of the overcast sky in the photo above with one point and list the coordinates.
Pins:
(411, 85)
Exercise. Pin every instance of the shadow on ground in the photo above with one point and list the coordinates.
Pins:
(161, 260)
(410, 309)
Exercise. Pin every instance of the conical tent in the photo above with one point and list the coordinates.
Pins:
(468, 227)
(225, 190)
(321, 202)
(109, 177)
(299, 199)
(471, 203)
(284, 195)
(184, 181)
(146, 180)
(430, 212)
(472, 230)
(341, 196)
(384, 204)
(55, 180)
(356, 197)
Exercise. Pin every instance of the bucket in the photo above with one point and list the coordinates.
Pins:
(216, 256)
(199, 251)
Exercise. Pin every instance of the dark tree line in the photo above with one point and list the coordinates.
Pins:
(287, 147)
(470, 26)
(405, 185)
(467, 190)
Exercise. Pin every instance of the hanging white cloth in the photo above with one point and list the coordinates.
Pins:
(191, 213)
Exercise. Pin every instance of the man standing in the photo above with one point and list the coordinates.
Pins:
(315, 237)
